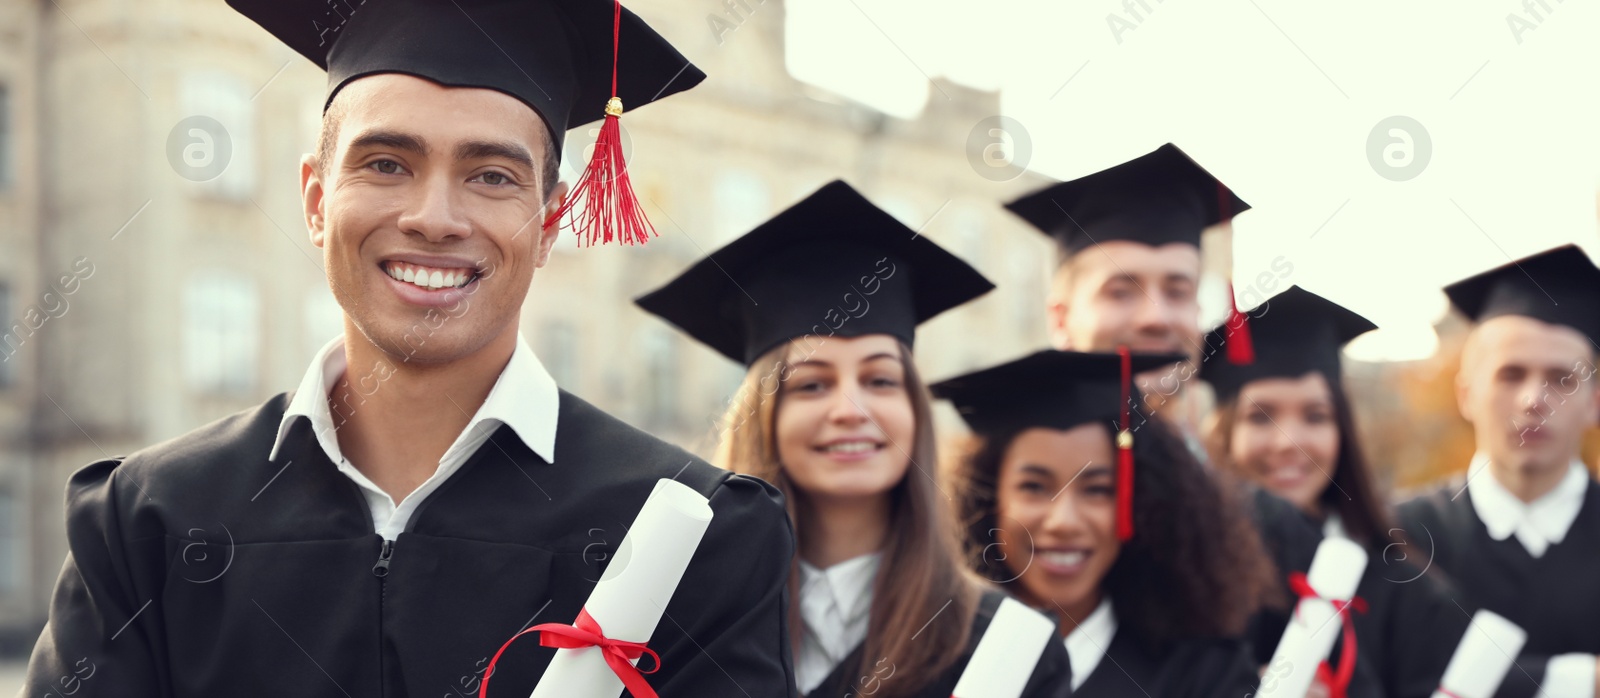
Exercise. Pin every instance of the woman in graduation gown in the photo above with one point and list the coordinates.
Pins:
(820, 304)
(1284, 421)
(1153, 584)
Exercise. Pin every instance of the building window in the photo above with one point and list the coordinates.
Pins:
(324, 320)
(5, 136)
(11, 338)
(660, 349)
(221, 335)
(558, 351)
(226, 100)
(11, 543)
(740, 200)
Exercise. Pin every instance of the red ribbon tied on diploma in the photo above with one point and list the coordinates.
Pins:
(585, 632)
(1337, 681)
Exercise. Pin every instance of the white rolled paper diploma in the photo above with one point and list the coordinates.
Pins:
(1335, 574)
(1005, 656)
(632, 595)
(1482, 659)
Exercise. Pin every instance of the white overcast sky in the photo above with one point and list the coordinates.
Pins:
(1277, 98)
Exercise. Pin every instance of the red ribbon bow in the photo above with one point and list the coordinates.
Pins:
(1337, 681)
(585, 632)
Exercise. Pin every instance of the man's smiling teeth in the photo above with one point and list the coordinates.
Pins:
(1064, 559)
(851, 447)
(428, 277)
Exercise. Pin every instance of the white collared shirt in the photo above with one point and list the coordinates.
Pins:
(524, 397)
(1537, 525)
(1087, 643)
(835, 605)
(1333, 527)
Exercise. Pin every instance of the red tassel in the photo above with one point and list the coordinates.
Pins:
(603, 197)
(1125, 453)
(1241, 349)
(1125, 487)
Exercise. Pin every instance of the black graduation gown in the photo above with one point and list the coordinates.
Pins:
(1291, 541)
(199, 568)
(1553, 597)
(1410, 629)
(1213, 668)
(1052, 676)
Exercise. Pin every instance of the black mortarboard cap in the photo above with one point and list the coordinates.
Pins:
(554, 55)
(1157, 198)
(1050, 388)
(832, 264)
(1294, 333)
(1060, 390)
(1560, 286)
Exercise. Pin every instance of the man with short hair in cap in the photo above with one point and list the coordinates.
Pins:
(1521, 537)
(1129, 264)
(1129, 275)
(428, 491)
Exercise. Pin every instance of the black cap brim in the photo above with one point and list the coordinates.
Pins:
(1051, 389)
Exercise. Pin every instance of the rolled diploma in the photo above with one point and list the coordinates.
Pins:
(1335, 573)
(1484, 656)
(632, 595)
(1007, 653)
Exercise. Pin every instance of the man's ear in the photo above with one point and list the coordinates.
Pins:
(1592, 385)
(1463, 387)
(1057, 307)
(311, 192)
(1056, 317)
(552, 225)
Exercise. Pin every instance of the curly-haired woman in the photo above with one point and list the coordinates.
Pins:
(1153, 584)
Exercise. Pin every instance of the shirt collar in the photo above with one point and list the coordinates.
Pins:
(524, 397)
(1537, 524)
(1087, 643)
(1333, 526)
(848, 584)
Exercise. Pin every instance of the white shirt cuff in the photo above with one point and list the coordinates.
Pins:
(1569, 676)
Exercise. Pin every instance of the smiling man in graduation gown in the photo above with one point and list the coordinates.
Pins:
(1521, 537)
(427, 491)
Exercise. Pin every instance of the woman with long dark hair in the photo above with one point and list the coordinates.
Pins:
(1284, 421)
(821, 304)
(1106, 518)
